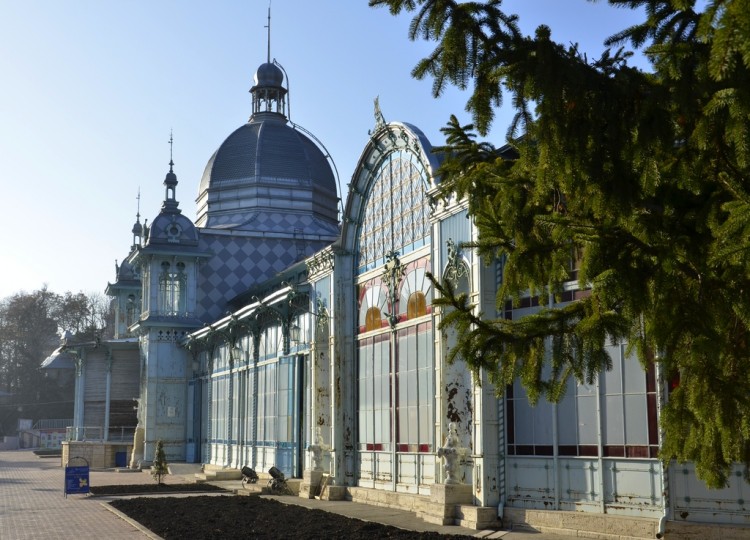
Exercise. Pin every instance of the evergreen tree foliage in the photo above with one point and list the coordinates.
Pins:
(159, 468)
(639, 181)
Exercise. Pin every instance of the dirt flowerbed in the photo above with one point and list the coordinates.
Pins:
(235, 517)
(155, 489)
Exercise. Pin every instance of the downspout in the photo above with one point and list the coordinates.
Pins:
(501, 457)
(230, 406)
(256, 352)
(394, 436)
(108, 394)
(555, 441)
(661, 398)
(600, 445)
(80, 402)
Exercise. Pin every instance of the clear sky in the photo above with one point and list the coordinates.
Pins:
(91, 89)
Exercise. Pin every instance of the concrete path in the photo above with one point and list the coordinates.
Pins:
(33, 505)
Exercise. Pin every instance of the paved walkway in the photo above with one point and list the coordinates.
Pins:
(33, 505)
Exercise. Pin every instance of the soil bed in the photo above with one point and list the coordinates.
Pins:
(235, 517)
(154, 489)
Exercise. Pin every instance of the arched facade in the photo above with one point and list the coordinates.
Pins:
(268, 335)
(394, 367)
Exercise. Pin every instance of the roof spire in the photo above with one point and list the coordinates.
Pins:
(137, 229)
(171, 163)
(170, 183)
(268, 55)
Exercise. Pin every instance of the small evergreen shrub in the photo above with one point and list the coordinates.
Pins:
(159, 468)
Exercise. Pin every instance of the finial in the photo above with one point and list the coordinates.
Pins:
(171, 143)
(379, 118)
(138, 207)
(268, 56)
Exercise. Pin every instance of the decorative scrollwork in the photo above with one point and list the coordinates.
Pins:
(393, 272)
(321, 263)
(455, 267)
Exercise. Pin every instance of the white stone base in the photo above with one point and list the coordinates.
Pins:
(581, 524)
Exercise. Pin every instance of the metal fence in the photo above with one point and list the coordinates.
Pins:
(97, 433)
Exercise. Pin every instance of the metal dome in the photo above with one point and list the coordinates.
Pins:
(266, 166)
(268, 74)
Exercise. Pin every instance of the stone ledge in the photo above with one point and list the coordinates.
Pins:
(582, 524)
(705, 531)
(477, 517)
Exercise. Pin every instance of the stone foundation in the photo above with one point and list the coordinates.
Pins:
(310, 487)
(99, 455)
(581, 524)
(447, 504)
(705, 531)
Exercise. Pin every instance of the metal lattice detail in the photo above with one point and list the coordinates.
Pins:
(397, 213)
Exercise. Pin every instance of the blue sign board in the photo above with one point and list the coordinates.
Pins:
(76, 480)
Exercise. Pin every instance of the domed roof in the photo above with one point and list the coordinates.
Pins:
(266, 165)
(268, 74)
(172, 229)
(125, 271)
(269, 176)
(268, 149)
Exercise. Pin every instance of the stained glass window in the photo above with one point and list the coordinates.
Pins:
(416, 290)
(373, 303)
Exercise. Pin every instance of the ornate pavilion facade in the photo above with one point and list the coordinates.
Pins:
(273, 332)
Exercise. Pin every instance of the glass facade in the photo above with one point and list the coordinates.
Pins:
(626, 397)
(395, 362)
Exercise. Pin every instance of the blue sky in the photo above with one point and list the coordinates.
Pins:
(92, 88)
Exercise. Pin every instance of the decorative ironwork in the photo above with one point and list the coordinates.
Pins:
(397, 213)
(393, 272)
(455, 268)
(379, 118)
(171, 336)
(322, 313)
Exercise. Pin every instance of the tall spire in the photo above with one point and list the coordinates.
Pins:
(268, 55)
(137, 229)
(170, 183)
(138, 206)
(269, 94)
(171, 145)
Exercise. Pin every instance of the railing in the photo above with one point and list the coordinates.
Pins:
(96, 433)
(167, 313)
(121, 434)
(86, 433)
(53, 423)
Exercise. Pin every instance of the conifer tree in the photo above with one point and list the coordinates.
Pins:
(641, 178)
(159, 468)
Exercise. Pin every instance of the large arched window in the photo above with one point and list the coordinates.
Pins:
(397, 211)
(395, 341)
